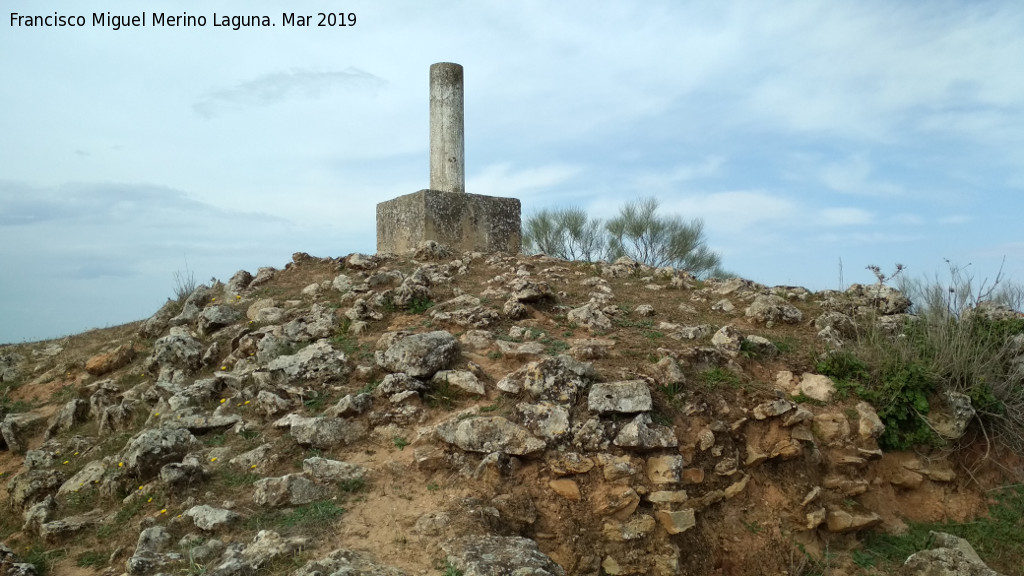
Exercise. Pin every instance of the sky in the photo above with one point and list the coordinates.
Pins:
(812, 138)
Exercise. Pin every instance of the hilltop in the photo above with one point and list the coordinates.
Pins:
(474, 414)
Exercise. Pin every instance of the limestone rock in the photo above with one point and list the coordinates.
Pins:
(346, 563)
(71, 413)
(325, 433)
(590, 317)
(150, 449)
(665, 469)
(32, 486)
(869, 424)
(545, 419)
(209, 518)
(816, 386)
(728, 339)
(108, 362)
(148, 551)
(490, 434)
(318, 361)
(676, 522)
(640, 434)
(462, 379)
(949, 556)
(178, 351)
(500, 555)
(566, 463)
(213, 318)
(624, 397)
(770, 409)
(558, 379)
(566, 488)
(638, 526)
(292, 489)
(773, 309)
(844, 522)
(350, 405)
(420, 355)
(332, 471)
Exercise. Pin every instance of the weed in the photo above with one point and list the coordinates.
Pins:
(716, 376)
(451, 570)
(420, 305)
(368, 387)
(433, 487)
(494, 355)
(995, 538)
(229, 476)
(314, 404)
(400, 442)
(42, 559)
(184, 284)
(654, 335)
(214, 440)
(352, 485)
(92, 559)
(442, 395)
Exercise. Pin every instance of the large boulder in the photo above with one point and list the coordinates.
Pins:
(150, 449)
(500, 556)
(420, 355)
(558, 379)
(490, 434)
(291, 489)
(318, 361)
(625, 397)
(771, 308)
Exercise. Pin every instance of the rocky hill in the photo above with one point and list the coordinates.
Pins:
(471, 414)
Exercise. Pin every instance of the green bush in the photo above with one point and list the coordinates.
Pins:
(952, 345)
(638, 233)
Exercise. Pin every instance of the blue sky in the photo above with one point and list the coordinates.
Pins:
(803, 133)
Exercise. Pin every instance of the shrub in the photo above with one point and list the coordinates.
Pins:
(951, 346)
(638, 233)
(567, 234)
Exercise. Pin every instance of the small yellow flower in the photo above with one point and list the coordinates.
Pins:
(223, 368)
(238, 296)
(214, 459)
(246, 402)
(150, 499)
(120, 464)
(156, 413)
(239, 405)
(164, 511)
(253, 466)
(141, 487)
(222, 400)
(66, 461)
(214, 299)
(75, 454)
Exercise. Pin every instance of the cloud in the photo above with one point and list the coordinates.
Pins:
(737, 211)
(502, 180)
(954, 219)
(852, 175)
(277, 87)
(844, 216)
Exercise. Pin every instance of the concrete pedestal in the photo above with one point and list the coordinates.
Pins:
(463, 222)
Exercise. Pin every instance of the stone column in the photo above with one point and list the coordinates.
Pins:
(447, 134)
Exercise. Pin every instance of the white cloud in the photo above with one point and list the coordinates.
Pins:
(504, 180)
(276, 87)
(844, 216)
(736, 211)
(954, 219)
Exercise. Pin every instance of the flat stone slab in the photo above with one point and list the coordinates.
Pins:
(626, 397)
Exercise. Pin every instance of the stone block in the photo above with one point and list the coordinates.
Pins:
(464, 222)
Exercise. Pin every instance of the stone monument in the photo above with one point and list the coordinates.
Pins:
(444, 212)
